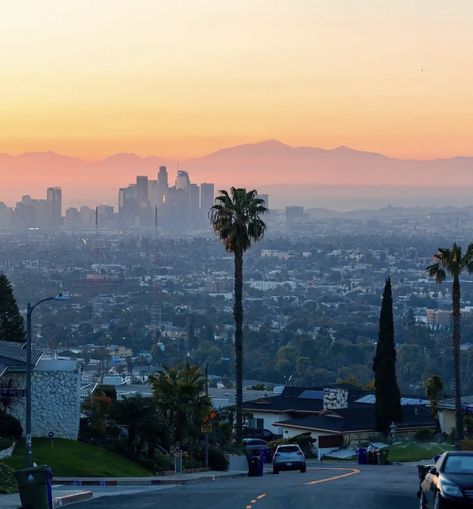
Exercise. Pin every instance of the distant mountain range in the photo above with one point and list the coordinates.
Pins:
(268, 165)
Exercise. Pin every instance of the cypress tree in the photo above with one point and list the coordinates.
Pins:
(11, 321)
(388, 398)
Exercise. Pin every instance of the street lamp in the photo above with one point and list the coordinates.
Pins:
(29, 310)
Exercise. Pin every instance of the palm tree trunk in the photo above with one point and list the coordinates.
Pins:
(456, 361)
(238, 316)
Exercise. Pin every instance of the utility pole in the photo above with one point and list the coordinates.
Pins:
(206, 435)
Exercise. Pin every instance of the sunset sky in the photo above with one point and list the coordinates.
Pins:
(183, 78)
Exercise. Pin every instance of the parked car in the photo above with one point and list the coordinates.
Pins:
(263, 434)
(254, 445)
(449, 483)
(288, 457)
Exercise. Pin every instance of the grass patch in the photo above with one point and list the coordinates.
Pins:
(69, 458)
(416, 451)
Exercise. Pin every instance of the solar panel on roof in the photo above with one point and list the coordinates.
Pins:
(308, 394)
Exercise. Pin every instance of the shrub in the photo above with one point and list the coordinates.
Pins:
(7, 479)
(217, 459)
(5, 443)
(10, 427)
(424, 435)
(162, 463)
(467, 445)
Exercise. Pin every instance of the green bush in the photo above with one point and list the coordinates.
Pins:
(424, 435)
(304, 441)
(5, 443)
(7, 479)
(161, 463)
(217, 459)
(10, 427)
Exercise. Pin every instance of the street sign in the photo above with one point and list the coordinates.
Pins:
(14, 393)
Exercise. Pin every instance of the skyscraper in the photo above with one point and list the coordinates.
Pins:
(163, 185)
(194, 192)
(182, 180)
(206, 197)
(54, 199)
(142, 189)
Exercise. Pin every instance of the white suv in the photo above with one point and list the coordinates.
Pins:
(288, 457)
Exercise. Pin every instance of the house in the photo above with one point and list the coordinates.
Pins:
(55, 390)
(446, 412)
(332, 415)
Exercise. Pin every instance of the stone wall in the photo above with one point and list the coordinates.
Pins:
(335, 399)
(55, 401)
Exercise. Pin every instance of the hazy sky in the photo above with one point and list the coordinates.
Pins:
(182, 78)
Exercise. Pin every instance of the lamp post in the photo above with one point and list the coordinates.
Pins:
(29, 310)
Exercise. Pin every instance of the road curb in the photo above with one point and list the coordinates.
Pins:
(80, 496)
(145, 482)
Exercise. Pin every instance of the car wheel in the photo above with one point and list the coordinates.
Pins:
(275, 471)
(303, 469)
(422, 503)
(439, 502)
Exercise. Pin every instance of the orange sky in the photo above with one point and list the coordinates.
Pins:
(183, 78)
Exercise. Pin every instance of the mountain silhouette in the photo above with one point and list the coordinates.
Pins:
(267, 163)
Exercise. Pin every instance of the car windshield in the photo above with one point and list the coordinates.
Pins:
(459, 465)
(255, 441)
(288, 448)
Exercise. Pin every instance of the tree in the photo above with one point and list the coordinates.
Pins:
(134, 412)
(236, 219)
(179, 394)
(452, 262)
(11, 321)
(388, 397)
(433, 388)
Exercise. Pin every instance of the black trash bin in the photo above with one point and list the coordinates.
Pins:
(34, 486)
(255, 466)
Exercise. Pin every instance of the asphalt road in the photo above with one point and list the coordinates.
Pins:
(321, 487)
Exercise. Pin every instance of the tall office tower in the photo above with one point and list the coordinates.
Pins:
(153, 193)
(163, 185)
(142, 189)
(294, 213)
(127, 205)
(54, 199)
(194, 192)
(182, 180)
(206, 197)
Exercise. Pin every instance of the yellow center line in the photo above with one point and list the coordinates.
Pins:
(348, 473)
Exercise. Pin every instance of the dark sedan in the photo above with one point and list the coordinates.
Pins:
(449, 483)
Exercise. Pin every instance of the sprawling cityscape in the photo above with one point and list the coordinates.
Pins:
(236, 255)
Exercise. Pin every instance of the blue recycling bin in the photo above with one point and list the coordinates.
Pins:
(255, 466)
(362, 456)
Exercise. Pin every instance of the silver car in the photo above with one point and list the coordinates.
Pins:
(288, 457)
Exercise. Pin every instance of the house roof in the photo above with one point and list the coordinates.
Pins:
(13, 356)
(301, 399)
(449, 404)
(360, 418)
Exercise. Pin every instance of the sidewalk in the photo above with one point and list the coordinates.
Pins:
(62, 498)
(148, 481)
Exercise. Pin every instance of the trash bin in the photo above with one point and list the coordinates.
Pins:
(382, 457)
(34, 486)
(362, 456)
(372, 457)
(255, 466)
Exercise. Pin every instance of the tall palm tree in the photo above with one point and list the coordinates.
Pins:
(452, 262)
(236, 219)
